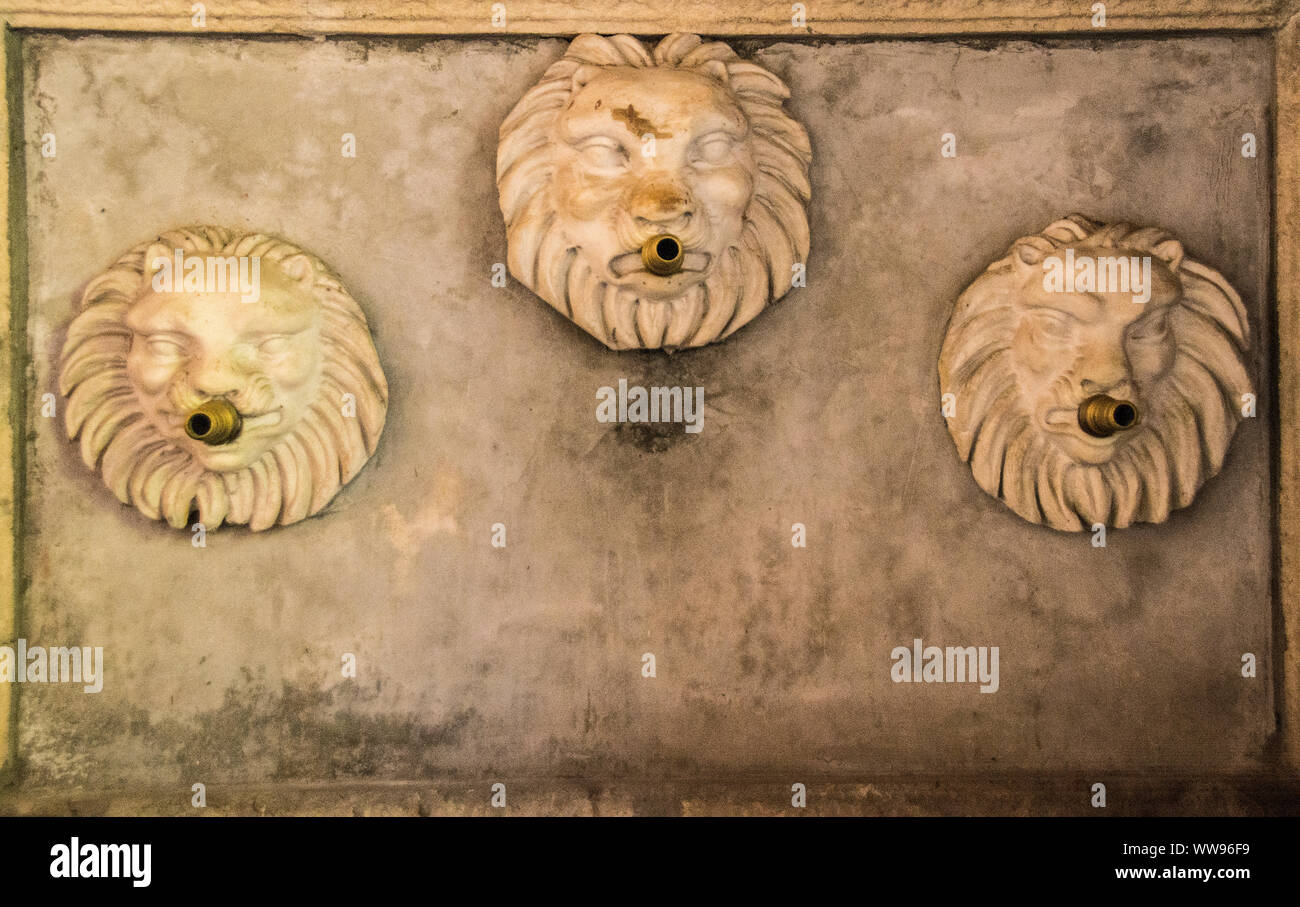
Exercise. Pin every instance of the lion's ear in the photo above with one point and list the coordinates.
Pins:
(300, 270)
(584, 74)
(158, 257)
(1028, 253)
(1170, 252)
(718, 70)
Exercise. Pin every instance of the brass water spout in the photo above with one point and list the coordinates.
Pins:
(215, 422)
(662, 254)
(1102, 416)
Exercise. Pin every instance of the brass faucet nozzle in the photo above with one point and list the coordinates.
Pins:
(662, 254)
(215, 422)
(1102, 416)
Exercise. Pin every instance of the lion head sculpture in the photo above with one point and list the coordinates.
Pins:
(203, 325)
(655, 198)
(1050, 335)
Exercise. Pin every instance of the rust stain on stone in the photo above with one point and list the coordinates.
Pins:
(637, 123)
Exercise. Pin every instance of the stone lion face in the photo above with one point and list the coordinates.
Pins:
(618, 147)
(293, 362)
(264, 357)
(1067, 347)
(1021, 357)
(610, 197)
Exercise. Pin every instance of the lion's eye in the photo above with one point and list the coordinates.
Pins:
(603, 154)
(715, 149)
(1052, 325)
(1151, 328)
(164, 347)
(274, 346)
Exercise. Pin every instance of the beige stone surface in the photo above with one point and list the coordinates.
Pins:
(1287, 251)
(646, 17)
(11, 364)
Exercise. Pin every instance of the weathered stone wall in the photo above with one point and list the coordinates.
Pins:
(223, 662)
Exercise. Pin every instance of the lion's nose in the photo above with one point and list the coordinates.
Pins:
(215, 378)
(1102, 367)
(1116, 384)
(661, 203)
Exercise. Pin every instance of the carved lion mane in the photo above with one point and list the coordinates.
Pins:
(1189, 413)
(751, 274)
(293, 479)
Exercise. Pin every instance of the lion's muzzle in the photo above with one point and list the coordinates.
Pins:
(1102, 416)
(215, 422)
